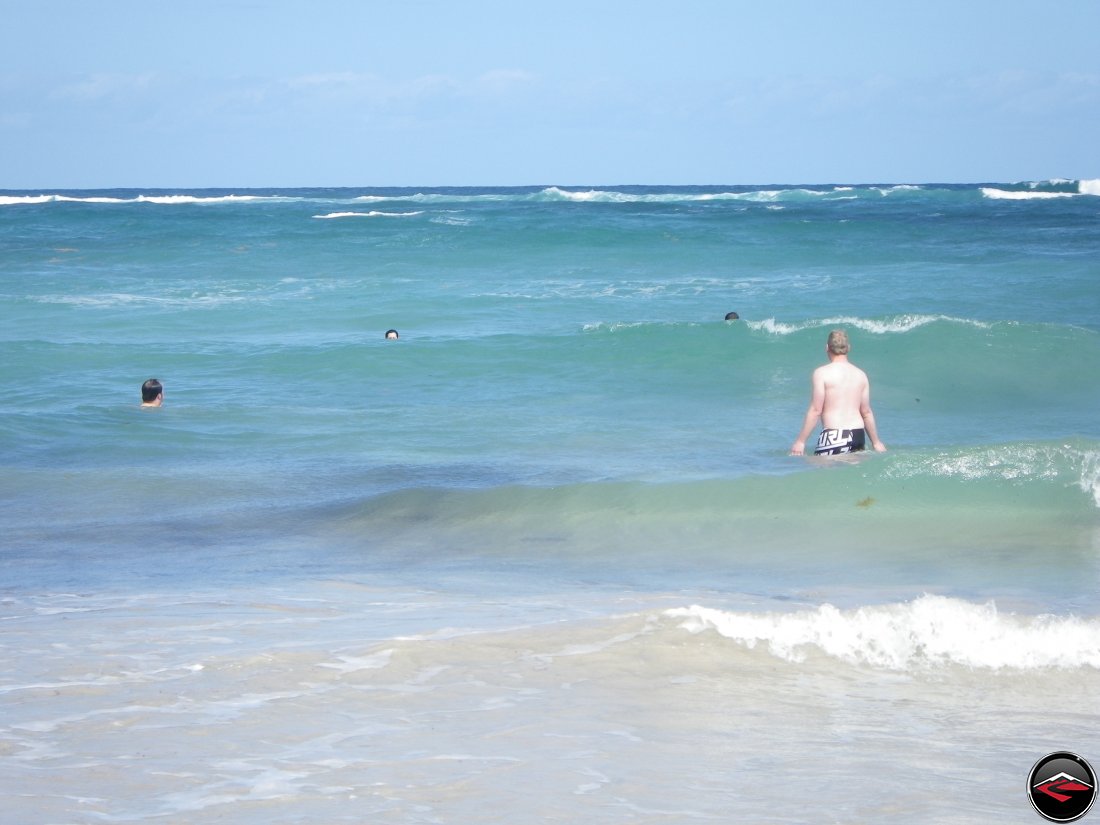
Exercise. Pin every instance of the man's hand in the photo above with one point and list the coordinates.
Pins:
(799, 448)
(879, 446)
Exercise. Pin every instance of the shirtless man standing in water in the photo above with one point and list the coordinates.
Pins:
(841, 398)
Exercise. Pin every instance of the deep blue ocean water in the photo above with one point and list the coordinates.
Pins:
(568, 479)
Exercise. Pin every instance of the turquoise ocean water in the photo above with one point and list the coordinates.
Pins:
(545, 557)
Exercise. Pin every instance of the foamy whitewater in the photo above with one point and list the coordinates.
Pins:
(545, 558)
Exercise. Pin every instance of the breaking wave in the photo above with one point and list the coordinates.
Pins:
(929, 631)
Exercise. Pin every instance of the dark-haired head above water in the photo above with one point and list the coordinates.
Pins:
(152, 393)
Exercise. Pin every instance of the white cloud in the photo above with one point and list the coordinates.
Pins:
(14, 120)
(1034, 93)
(502, 81)
(374, 89)
(97, 87)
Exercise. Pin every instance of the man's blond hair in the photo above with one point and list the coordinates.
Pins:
(838, 342)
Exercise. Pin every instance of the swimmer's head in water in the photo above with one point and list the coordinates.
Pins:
(150, 390)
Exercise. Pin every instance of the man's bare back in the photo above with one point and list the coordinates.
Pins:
(841, 399)
(845, 389)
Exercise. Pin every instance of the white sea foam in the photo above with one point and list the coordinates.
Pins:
(350, 664)
(177, 199)
(554, 193)
(584, 197)
(1089, 187)
(371, 214)
(12, 200)
(439, 197)
(899, 323)
(927, 632)
(752, 196)
(901, 187)
(550, 193)
(1090, 475)
(56, 199)
(1013, 195)
(450, 220)
(118, 299)
(9, 200)
(1070, 464)
(589, 647)
(615, 326)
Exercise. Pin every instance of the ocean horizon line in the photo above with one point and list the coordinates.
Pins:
(161, 187)
(1053, 189)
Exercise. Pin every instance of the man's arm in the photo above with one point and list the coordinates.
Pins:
(813, 413)
(869, 420)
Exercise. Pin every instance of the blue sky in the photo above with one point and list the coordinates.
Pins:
(139, 93)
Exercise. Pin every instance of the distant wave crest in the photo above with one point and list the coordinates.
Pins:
(1014, 195)
(898, 323)
(371, 214)
(13, 200)
(768, 196)
(929, 631)
(550, 194)
(771, 196)
(1044, 190)
(1089, 187)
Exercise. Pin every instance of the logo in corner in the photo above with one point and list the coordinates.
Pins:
(1061, 787)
